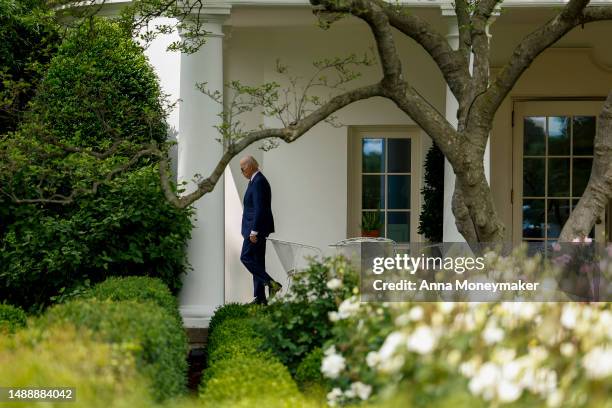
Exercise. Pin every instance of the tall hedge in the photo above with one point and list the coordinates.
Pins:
(29, 39)
(160, 343)
(99, 88)
(99, 82)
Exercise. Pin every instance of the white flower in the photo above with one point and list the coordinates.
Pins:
(348, 308)
(333, 316)
(492, 334)
(334, 283)
(485, 379)
(569, 316)
(416, 313)
(391, 344)
(361, 390)
(446, 307)
(567, 349)
(391, 365)
(598, 362)
(422, 341)
(333, 395)
(555, 399)
(332, 364)
(372, 359)
(508, 392)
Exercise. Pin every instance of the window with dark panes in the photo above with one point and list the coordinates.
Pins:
(386, 184)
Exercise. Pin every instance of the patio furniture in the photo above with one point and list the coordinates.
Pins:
(291, 256)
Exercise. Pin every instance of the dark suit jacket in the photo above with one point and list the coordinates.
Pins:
(257, 213)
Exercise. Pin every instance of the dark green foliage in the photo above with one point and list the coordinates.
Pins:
(29, 39)
(126, 229)
(159, 341)
(138, 288)
(430, 220)
(11, 318)
(309, 370)
(300, 323)
(100, 86)
(231, 311)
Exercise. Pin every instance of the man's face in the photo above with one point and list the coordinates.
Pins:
(246, 169)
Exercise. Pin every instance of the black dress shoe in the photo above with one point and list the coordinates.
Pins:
(274, 287)
(257, 301)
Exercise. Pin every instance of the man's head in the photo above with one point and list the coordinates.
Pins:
(248, 166)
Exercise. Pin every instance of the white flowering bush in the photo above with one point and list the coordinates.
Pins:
(445, 354)
(526, 354)
(299, 321)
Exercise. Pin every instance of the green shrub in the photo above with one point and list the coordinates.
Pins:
(233, 379)
(232, 311)
(309, 370)
(128, 228)
(98, 80)
(233, 338)
(138, 288)
(299, 321)
(430, 219)
(29, 39)
(161, 341)
(11, 318)
(104, 375)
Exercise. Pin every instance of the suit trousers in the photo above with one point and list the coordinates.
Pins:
(253, 257)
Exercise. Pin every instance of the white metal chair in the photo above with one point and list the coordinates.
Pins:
(292, 256)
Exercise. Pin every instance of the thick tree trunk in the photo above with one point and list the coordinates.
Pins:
(599, 189)
(483, 223)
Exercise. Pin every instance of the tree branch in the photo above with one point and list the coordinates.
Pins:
(288, 134)
(599, 188)
(573, 14)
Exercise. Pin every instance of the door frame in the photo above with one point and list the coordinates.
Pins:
(587, 106)
(355, 134)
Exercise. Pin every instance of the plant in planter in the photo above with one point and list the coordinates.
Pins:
(370, 224)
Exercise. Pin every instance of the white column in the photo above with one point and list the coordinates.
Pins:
(167, 65)
(449, 229)
(198, 153)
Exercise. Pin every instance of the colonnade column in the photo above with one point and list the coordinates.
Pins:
(198, 153)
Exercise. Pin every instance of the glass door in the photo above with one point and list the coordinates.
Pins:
(553, 155)
(383, 183)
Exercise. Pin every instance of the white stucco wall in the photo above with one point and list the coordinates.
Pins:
(309, 177)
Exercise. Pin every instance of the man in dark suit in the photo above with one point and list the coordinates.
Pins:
(257, 224)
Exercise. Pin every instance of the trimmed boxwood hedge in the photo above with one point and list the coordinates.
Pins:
(241, 372)
(104, 375)
(11, 318)
(242, 377)
(309, 370)
(161, 341)
(138, 288)
(232, 311)
(233, 338)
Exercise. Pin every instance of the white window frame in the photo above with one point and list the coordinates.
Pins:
(526, 108)
(354, 204)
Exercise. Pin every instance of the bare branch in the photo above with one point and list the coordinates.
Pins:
(288, 134)
(69, 199)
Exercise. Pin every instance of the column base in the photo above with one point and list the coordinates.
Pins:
(196, 316)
